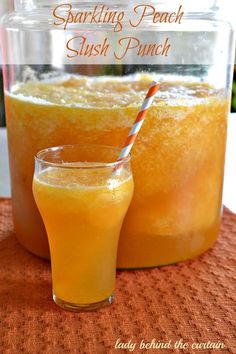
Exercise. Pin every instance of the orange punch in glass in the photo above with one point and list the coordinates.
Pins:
(83, 205)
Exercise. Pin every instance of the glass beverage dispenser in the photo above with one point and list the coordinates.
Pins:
(59, 90)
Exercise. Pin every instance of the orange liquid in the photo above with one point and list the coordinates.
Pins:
(178, 159)
(83, 213)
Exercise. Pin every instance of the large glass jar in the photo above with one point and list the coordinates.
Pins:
(178, 158)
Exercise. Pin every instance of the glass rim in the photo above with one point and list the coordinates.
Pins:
(80, 164)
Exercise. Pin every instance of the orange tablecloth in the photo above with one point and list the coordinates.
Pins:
(193, 300)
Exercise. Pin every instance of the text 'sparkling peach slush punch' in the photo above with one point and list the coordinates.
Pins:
(83, 196)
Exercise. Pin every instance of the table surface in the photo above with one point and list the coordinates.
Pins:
(229, 196)
(193, 301)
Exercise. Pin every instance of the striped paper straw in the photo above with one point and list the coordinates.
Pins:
(138, 122)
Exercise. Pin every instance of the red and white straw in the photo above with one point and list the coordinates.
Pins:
(138, 122)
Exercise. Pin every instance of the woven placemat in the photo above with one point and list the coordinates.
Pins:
(193, 301)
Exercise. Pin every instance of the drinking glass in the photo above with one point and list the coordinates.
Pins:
(83, 198)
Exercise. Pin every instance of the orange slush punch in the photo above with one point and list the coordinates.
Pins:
(178, 157)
